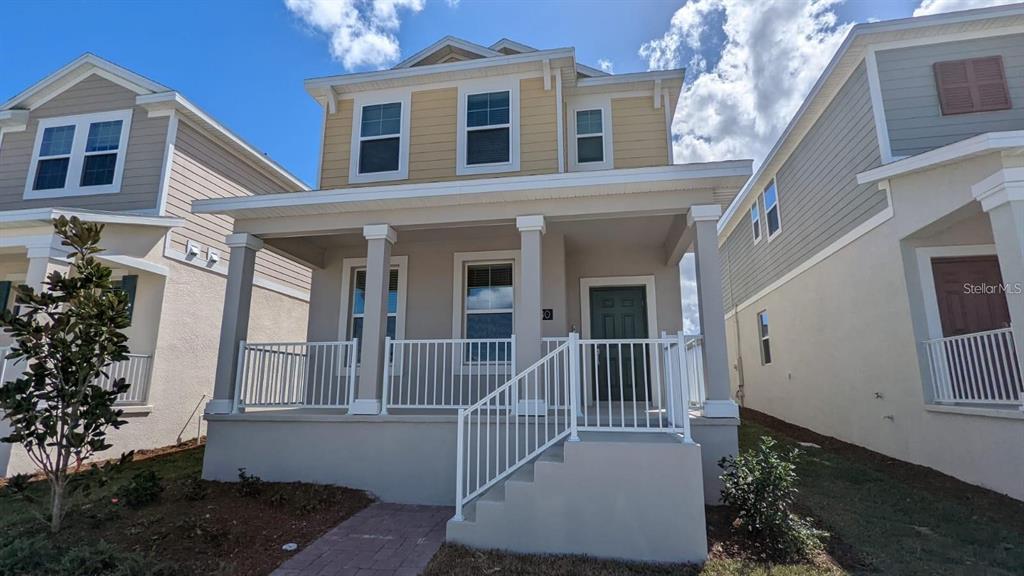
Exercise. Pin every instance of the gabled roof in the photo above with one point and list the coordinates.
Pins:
(507, 46)
(440, 52)
(448, 43)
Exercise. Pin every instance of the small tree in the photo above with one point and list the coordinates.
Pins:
(67, 335)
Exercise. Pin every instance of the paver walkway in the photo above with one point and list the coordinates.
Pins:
(382, 540)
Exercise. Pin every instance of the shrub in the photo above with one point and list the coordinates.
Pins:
(16, 484)
(195, 489)
(249, 485)
(144, 488)
(24, 555)
(760, 486)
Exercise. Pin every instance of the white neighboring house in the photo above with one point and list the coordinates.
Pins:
(495, 252)
(874, 265)
(110, 146)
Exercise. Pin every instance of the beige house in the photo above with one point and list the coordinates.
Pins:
(110, 146)
(495, 314)
(874, 265)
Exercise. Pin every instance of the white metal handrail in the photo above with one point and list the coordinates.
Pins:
(450, 374)
(136, 370)
(498, 434)
(296, 374)
(979, 368)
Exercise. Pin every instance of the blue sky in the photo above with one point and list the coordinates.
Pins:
(244, 62)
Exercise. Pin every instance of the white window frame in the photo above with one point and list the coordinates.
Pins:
(592, 102)
(778, 209)
(465, 259)
(755, 218)
(349, 266)
(404, 98)
(510, 85)
(72, 186)
(761, 338)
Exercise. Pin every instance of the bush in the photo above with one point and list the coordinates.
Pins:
(16, 484)
(249, 485)
(143, 488)
(195, 489)
(24, 555)
(760, 486)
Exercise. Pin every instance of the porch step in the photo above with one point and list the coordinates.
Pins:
(525, 475)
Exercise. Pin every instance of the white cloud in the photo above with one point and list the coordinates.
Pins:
(939, 6)
(361, 32)
(688, 292)
(606, 65)
(773, 52)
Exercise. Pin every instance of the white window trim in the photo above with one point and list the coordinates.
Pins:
(511, 85)
(778, 210)
(348, 268)
(74, 173)
(757, 232)
(602, 102)
(463, 259)
(761, 339)
(403, 97)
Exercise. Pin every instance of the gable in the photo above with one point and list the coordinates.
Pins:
(447, 54)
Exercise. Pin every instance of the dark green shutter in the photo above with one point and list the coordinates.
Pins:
(5, 294)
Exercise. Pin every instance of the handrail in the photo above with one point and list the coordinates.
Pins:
(977, 368)
(1000, 331)
(295, 375)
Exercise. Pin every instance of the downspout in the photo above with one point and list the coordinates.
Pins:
(739, 342)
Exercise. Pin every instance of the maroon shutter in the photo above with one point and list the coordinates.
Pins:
(974, 85)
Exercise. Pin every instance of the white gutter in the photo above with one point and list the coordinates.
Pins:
(48, 214)
(962, 150)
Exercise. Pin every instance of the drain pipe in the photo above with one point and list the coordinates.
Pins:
(199, 423)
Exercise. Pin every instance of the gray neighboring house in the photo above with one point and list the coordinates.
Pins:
(101, 142)
(495, 313)
(874, 265)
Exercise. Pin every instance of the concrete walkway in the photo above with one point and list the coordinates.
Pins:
(382, 540)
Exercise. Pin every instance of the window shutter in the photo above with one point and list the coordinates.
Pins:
(5, 294)
(975, 85)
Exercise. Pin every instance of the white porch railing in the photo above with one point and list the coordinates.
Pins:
(445, 373)
(979, 368)
(137, 370)
(296, 374)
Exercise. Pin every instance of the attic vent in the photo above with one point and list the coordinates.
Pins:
(974, 85)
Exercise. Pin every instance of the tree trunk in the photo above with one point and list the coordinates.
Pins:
(56, 506)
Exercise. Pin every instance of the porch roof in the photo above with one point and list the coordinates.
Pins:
(33, 217)
(729, 174)
(956, 152)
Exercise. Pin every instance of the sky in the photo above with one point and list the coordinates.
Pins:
(750, 63)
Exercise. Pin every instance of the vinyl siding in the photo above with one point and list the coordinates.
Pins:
(432, 134)
(911, 98)
(337, 147)
(144, 154)
(638, 133)
(538, 128)
(203, 169)
(819, 198)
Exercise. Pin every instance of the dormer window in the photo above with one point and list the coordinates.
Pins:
(78, 155)
(488, 138)
(380, 139)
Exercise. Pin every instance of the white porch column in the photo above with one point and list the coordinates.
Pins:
(704, 220)
(528, 309)
(1002, 196)
(379, 238)
(42, 260)
(234, 327)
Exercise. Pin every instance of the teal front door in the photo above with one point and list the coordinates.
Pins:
(619, 313)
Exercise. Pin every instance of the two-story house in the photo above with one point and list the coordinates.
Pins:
(874, 265)
(110, 146)
(495, 315)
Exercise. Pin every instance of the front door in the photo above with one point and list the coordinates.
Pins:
(618, 313)
(965, 308)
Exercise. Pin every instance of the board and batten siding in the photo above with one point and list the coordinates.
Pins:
(911, 98)
(204, 169)
(638, 133)
(819, 198)
(144, 154)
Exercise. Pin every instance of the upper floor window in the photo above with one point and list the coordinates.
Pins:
(589, 121)
(380, 138)
(755, 220)
(771, 210)
(972, 85)
(589, 136)
(488, 129)
(78, 155)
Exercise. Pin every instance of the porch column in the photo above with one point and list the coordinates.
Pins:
(528, 308)
(379, 238)
(1002, 197)
(234, 326)
(42, 260)
(704, 221)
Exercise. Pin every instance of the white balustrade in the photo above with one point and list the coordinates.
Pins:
(296, 374)
(428, 374)
(136, 370)
(979, 368)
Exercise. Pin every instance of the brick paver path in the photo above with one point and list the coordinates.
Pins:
(382, 540)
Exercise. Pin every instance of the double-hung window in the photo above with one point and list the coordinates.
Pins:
(78, 155)
(359, 303)
(762, 334)
(488, 307)
(755, 220)
(380, 139)
(589, 136)
(488, 137)
(771, 210)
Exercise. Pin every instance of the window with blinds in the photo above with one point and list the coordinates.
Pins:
(972, 85)
(359, 303)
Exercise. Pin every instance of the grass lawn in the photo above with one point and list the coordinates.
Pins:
(885, 517)
(221, 533)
